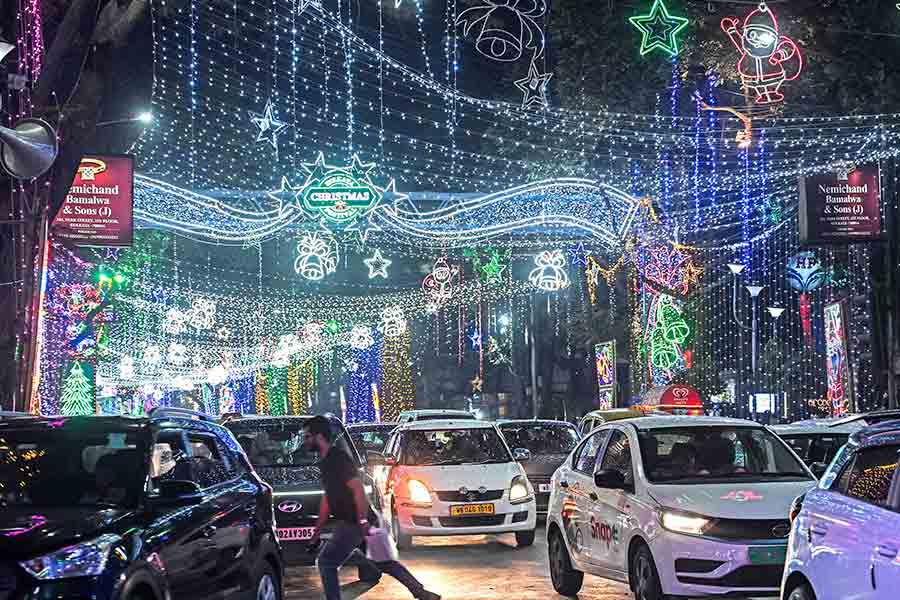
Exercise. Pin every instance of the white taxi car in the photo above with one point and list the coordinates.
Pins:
(454, 478)
(681, 506)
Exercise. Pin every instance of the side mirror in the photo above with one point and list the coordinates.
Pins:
(179, 492)
(374, 458)
(522, 454)
(609, 479)
(818, 468)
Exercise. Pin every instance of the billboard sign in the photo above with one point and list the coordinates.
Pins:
(97, 210)
(841, 207)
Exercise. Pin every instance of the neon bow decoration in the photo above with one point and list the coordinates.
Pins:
(768, 59)
(317, 256)
(506, 28)
(393, 322)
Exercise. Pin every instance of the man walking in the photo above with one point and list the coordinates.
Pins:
(345, 498)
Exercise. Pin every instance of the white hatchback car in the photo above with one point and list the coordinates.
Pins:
(682, 506)
(454, 478)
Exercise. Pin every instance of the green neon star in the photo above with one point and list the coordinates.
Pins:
(659, 29)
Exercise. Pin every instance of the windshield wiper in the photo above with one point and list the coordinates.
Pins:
(485, 462)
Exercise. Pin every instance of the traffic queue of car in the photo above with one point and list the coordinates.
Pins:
(673, 506)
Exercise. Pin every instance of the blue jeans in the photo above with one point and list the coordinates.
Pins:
(343, 544)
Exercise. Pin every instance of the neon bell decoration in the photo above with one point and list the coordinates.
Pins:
(768, 59)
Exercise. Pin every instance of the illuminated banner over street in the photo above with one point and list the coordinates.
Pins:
(97, 210)
(841, 208)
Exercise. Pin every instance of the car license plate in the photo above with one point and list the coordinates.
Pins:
(465, 510)
(767, 555)
(543, 488)
(295, 534)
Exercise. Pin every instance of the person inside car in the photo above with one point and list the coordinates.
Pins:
(683, 458)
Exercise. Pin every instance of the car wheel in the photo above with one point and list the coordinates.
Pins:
(404, 541)
(644, 576)
(802, 592)
(267, 587)
(525, 538)
(566, 580)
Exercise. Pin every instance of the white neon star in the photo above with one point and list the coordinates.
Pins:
(378, 265)
(286, 196)
(269, 125)
(534, 87)
(304, 3)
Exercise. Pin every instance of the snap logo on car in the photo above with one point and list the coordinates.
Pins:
(290, 506)
(604, 532)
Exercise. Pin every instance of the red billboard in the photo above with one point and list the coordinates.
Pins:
(841, 207)
(97, 210)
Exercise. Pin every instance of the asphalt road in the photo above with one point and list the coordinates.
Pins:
(461, 568)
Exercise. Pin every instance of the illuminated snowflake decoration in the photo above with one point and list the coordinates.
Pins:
(175, 322)
(177, 354)
(549, 274)
(202, 315)
(317, 256)
(152, 356)
(216, 375)
(361, 337)
(288, 345)
(312, 333)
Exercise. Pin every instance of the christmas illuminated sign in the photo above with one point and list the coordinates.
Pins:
(837, 365)
(340, 195)
(605, 354)
(768, 59)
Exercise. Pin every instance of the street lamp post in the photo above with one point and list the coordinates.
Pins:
(754, 290)
(775, 312)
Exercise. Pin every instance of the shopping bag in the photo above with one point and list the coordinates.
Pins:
(380, 546)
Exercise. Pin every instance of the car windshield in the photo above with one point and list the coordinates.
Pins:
(453, 447)
(541, 438)
(70, 466)
(371, 440)
(280, 443)
(714, 454)
(816, 448)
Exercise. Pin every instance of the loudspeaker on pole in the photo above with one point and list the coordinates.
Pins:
(29, 149)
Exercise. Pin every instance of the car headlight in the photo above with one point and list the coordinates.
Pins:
(684, 523)
(518, 490)
(81, 560)
(418, 492)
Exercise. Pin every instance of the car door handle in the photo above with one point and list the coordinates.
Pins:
(564, 484)
(886, 551)
(593, 496)
(209, 531)
(815, 529)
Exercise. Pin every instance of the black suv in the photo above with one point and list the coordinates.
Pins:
(276, 450)
(124, 508)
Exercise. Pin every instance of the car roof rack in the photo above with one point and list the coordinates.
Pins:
(179, 413)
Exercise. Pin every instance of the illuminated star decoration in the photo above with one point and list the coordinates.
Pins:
(302, 4)
(493, 269)
(658, 29)
(578, 255)
(378, 265)
(286, 196)
(534, 87)
(476, 340)
(269, 125)
(476, 384)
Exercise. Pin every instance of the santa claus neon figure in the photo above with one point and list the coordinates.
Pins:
(768, 59)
